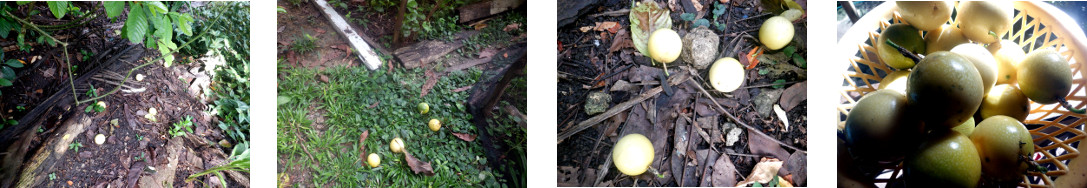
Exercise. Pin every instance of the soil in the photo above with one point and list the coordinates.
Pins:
(306, 19)
(586, 65)
(134, 143)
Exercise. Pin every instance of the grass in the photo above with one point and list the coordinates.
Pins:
(331, 153)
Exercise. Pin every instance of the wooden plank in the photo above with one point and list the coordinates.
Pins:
(365, 53)
(424, 52)
(476, 11)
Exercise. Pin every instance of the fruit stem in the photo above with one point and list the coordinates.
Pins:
(662, 65)
(991, 33)
(1068, 106)
(907, 53)
(655, 172)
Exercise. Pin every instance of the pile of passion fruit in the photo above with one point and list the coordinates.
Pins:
(923, 115)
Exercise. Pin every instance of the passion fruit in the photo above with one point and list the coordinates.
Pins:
(895, 81)
(434, 125)
(665, 45)
(632, 154)
(983, 61)
(1001, 141)
(902, 35)
(947, 37)
(1044, 76)
(944, 90)
(1008, 55)
(947, 160)
(776, 32)
(396, 145)
(726, 74)
(374, 160)
(879, 126)
(1005, 100)
(984, 21)
(926, 15)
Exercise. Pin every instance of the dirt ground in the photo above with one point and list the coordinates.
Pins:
(586, 65)
(137, 151)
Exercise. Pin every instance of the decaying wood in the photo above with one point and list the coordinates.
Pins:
(487, 93)
(485, 9)
(364, 52)
(424, 52)
(52, 151)
(619, 108)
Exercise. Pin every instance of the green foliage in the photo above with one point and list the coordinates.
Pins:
(75, 146)
(93, 107)
(7, 70)
(152, 23)
(344, 102)
(181, 127)
(295, 2)
(304, 44)
(52, 176)
(280, 9)
(239, 161)
(718, 10)
(443, 22)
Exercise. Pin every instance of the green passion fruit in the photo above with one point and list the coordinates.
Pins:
(1044, 76)
(879, 126)
(905, 36)
(1001, 141)
(1005, 100)
(947, 160)
(944, 90)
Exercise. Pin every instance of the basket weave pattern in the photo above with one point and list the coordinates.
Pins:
(1055, 129)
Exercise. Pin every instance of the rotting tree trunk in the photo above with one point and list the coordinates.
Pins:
(422, 53)
(485, 95)
(52, 152)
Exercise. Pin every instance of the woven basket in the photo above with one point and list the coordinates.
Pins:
(1037, 25)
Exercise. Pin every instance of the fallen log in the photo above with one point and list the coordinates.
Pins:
(422, 53)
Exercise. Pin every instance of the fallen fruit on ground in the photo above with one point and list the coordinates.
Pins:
(726, 74)
(396, 145)
(373, 160)
(435, 125)
(423, 108)
(776, 32)
(99, 139)
(665, 45)
(632, 154)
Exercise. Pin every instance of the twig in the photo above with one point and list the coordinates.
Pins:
(753, 17)
(907, 53)
(737, 120)
(35, 27)
(674, 80)
(768, 85)
(620, 12)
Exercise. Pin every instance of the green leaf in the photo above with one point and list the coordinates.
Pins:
(59, 8)
(14, 63)
(280, 9)
(764, 71)
(645, 18)
(778, 84)
(164, 30)
(156, 7)
(800, 61)
(8, 73)
(136, 25)
(114, 8)
(4, 82)
(22, 2)
(702, 22)
(789, 51)
(687, 16)
(184, 22)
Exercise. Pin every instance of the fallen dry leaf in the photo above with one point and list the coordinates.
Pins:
(362, 145)
(323, 78)
(724, 172)
(794, 95)
(432, 79)
(585, 29)
(765, 146)
(782, 116)
(620, 41)
(511, 27)
(465, 136)
(765, 171)
(419, 166)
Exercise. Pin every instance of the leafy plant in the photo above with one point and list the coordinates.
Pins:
(52, 176)
(93, 107)
(7, 71)
(75, 146)
(181, 127)
(304, 44)
(718, 10)
(239, 161)
(646, 17)
(152, 23)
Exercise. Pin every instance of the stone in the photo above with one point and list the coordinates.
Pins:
(700, 47)
(597, 102)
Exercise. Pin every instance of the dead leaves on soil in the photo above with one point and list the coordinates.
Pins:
(418, 166)
(362, 146)
(465, 136)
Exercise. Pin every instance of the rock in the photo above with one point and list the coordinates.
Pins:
(733, 134)
(764, 103)
(597, 102)
(700, 47)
